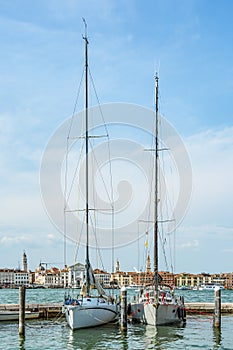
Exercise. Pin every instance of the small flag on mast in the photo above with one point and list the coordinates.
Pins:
(146, 241)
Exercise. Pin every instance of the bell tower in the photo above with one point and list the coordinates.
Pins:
(117, 266)
(148, 268)
(25, 263)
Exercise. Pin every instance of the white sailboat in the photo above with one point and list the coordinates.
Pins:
(156, 304)
(93, 307)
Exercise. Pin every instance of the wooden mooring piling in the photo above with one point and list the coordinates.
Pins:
(123, 309)
(217, 308)
(22, 311)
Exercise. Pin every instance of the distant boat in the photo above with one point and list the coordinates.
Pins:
(133, 286)
(183, 288)
(208, 286)
(156, 304)
(89, 309)
(8, 315)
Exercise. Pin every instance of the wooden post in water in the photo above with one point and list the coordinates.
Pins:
(217, 307)
(22, 311)
(123, 309)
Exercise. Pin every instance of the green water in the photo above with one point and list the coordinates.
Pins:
(55, 334)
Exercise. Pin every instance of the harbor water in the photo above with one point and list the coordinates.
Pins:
(55, 334)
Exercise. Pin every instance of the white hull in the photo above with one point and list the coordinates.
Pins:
(14, 315)
(166, 310)
(90, 312)
(163, 314)
(208, 287)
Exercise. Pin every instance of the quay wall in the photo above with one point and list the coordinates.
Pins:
(49, 310)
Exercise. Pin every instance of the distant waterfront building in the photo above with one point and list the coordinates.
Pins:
(6, 277)
(121, 278)
(168, 278)
(39, 275)
(229, 280)
(103, 277)
(53, 277)
(65, 277)
(221, 278)
(143, 278)
(15, 277)
(185, 279)
(21, 278)
(191, 280)
(76, 275)
(32, 277)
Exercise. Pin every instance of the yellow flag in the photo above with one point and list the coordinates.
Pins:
(146, 242)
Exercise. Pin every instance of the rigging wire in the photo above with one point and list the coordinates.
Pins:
(111, 197)
(97, 244)
(94, 160)
(66, 168)
(67, 192)
(75, 173)
(168, 211)
(147, 247)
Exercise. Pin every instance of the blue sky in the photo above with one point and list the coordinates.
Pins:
(188, 41)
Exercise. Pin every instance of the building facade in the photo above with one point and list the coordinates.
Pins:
(76, 275)
(103, 278)
(6, 277)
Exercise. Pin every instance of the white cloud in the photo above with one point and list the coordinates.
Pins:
(211, 155)
(12, 240)
(190, 244)
(33, 239)
(207, 229)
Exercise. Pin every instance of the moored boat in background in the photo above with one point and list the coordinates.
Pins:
(157, 304)
(208, 286)
(9, 315)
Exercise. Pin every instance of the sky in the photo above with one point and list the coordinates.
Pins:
(189, 43)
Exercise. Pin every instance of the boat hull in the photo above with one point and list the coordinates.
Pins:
(14, 315)
(156, 315)
(90, 315)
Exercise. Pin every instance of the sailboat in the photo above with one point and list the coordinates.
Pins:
(93, 307)
(156, 304)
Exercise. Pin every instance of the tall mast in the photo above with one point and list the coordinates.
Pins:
(156, 185)
(86, 148)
